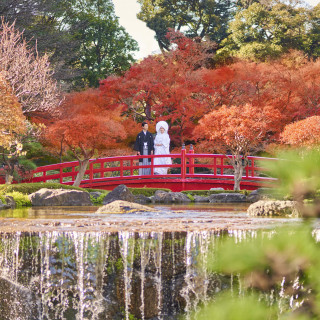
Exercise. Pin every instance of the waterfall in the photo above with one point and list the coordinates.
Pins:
(94, 275)
(196, 277)
(126, 241)
(144, 259)
(158, 263)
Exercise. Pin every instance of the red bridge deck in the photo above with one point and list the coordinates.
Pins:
(189, 171)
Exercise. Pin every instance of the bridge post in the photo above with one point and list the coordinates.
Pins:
(191, 161)
(61, 173)
(183, 162)
(91, 171)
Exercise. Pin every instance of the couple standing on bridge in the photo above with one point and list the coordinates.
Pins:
(145, 145)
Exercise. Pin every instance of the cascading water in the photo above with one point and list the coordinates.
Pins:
(101, 275)
(126, 240)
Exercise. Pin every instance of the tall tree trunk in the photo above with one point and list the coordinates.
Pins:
(237, 179)
(238, 170)
(83, 164)
(8, 178)
(9, 170)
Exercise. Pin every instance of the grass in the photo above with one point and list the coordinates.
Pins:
(28, 188)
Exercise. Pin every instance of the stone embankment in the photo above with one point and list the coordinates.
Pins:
(261, 204)
(67, 197)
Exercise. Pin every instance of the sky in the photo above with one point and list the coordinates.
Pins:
(127, 11)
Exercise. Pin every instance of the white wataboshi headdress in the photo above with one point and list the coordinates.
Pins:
(162, 124)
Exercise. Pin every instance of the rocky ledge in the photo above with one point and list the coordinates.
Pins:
(273, 208)
(120, 206)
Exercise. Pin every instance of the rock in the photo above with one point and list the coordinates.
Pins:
(216, 189)
(4, 206)
(120, 206)
(95, 194)
(227, 198)
(170, 197)
(142, 199)
(201, 199)
(60, 197)
(17, 301)
(10, 202)
(121, 192)
(273, 208)
(259, 194)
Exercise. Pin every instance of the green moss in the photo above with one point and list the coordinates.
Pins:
(148, 192)
(206, 193)
(190, 197)
(119, 264)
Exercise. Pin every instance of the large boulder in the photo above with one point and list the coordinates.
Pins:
(120, 206)
(227, 198)
(121, 192)
(60, 197)
(273, 208)
(170, 197)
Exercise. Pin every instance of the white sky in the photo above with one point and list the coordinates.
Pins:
(127, 11)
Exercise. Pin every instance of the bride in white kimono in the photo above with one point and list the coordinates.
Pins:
(161, 146)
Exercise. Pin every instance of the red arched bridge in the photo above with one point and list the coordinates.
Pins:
(188, 171)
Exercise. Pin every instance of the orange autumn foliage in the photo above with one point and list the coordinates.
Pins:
(303, 133)
(289, 87)
(163, 87)
(237, 130)
(86, 128)
(12, 120)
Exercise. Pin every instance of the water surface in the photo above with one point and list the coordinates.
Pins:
(71, 263)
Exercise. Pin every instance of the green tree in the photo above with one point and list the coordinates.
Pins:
(203, 18)
(105, 46)
(42, 23)
(272, 27)
(82, 38)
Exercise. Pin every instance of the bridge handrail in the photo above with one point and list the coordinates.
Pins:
(189, 163)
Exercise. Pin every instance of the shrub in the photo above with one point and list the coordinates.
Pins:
(28, 188)
(21, 200)
(99, 200)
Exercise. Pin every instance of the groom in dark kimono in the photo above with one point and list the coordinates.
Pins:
(144, 146)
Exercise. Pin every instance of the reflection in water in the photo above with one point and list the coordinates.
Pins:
(78, 275)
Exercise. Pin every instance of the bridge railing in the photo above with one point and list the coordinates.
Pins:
(184, 166)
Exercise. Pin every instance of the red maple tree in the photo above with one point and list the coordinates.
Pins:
(237, 131)
(303, 133)
(163, 87)
(86, 128)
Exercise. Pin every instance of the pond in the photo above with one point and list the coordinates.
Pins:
(70, 263)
